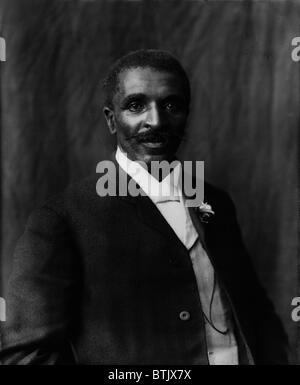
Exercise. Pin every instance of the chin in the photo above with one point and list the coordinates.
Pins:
(157, 156)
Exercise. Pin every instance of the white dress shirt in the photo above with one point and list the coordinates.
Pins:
(169, 200)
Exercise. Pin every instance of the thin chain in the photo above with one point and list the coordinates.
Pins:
(209, 320)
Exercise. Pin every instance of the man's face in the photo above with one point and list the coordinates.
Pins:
(149, 114)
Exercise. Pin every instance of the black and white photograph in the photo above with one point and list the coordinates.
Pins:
(149, 198)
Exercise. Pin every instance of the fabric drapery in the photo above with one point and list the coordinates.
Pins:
(243, 123)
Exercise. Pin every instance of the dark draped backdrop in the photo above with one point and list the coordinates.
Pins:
(244, 120)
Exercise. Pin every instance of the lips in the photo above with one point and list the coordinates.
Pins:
(155, 140)
(154, 144)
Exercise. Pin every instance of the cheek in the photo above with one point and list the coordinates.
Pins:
(129, 122)
(178, 122)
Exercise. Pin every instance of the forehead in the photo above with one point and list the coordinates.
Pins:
(150, 82)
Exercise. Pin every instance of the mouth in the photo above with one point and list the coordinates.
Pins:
(155, 141)
(155, 144)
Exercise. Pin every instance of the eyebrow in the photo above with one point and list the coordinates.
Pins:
(141, 96)
(133, 97)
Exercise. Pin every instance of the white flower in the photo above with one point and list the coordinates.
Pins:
(206, 208)
(206, 212)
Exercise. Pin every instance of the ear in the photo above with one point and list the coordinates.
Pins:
(110, 119)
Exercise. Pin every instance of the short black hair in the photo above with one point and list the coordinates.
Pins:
(152, 58)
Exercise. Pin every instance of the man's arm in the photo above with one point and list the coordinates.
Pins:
(271, 341)
(42, 294)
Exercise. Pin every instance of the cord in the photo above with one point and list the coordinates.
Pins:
(209, 320)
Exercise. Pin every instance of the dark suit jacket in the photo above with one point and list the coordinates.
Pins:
(102, 280)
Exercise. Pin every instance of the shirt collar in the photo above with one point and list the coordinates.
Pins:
(169, 189)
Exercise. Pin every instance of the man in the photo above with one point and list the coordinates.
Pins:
(138, 279)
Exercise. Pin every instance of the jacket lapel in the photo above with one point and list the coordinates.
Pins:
(197, 224)
(204, 230)
(146, 209)
(149, 214)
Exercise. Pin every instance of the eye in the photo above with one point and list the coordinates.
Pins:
(136, 107)
(173, 107)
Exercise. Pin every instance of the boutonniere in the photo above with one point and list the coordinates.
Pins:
(205, 212)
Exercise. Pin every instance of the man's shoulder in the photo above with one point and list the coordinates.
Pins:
(217, 197)
(77, 195)
(82, 196)
(211, 191)
(86, 190)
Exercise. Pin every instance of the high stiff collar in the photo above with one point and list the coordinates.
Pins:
(169, 188)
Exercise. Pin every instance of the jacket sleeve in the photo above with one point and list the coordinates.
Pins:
(271, 342)
(42, 294)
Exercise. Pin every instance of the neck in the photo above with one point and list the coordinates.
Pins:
(158, 166)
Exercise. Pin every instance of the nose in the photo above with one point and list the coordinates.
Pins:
(154, 117)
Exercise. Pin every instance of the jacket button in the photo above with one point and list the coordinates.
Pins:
(184, 315)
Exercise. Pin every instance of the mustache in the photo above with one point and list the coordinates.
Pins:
(155, 136)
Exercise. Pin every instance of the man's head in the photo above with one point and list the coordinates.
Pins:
(147, 96)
